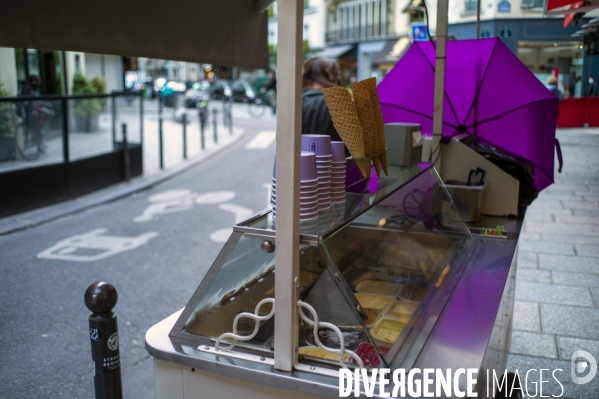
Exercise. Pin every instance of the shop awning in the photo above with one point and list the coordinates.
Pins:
(336, 51)
(231, 32)
(564, 7)
(392, 52)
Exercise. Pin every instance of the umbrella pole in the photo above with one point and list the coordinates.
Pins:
(289, 119)
(478, 19)
(440, 61)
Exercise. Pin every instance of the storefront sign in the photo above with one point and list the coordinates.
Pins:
(485, 33)
(505, 32)
(504, 6)
(418, 32)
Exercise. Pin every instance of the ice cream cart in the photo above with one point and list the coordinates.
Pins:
(393, 279)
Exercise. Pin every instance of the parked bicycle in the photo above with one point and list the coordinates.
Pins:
(30, 140)
(262, 103)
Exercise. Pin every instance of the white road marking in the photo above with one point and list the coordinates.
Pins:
(215, 197)
(180, 200)
(241, 214)
(221, 235)
(261, 141)
(93, 246)
(167, 202)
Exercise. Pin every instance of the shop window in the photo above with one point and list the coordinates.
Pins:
(470, 6)
(77, 63)
(532, 4)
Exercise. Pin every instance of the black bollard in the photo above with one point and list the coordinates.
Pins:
(202, 115)
(126, 158)
(215, 122)
(160, 138)
(184, 135)
(230, 115)
(101, 298)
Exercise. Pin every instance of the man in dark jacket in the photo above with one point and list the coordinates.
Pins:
(316, 118)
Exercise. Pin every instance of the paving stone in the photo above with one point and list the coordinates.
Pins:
(553, 228)
(569, 238)
(573, 321)
(532, 211)
(559, 194)
(586, 206)
(579, 264)
(546, 247)
(567, 346)
(588, 250)
(526, 260)
(541, 217)
(553, 293)
(565, 389)
(533, 344)
(530, 236)
(527, 316)
(595, 292)
(579, 279)
(534, 275)
(572, 219)
(567, 187)
(547, 204)
(589, 197)
(583, 212)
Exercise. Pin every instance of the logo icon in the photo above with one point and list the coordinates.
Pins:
(113, 341)
(314, 146)
(580, 367)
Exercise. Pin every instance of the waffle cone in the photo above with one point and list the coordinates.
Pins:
(362, 103)
(377, 115)
(346, 121)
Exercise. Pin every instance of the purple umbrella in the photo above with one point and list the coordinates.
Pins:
(489, 93)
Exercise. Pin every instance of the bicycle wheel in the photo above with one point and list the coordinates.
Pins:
(26, 148)
(257, 110)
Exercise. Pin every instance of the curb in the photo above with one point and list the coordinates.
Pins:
(36, 217)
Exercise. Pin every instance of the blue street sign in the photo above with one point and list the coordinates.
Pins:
(418, 32)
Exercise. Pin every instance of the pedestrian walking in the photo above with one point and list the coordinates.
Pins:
(271, 87)
(591, 87)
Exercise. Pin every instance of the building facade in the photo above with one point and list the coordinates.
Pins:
(542, 43)
(313, 35)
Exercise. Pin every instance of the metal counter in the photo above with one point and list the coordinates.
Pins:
(471, 330)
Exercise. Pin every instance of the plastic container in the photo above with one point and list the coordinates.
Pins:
(467, 199)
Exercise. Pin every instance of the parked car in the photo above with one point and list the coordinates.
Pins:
(221, 89)
(243, 91)
(199, 91)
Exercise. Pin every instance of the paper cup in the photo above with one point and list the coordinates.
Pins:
(320, 144)
(308, 166)
(338, 151)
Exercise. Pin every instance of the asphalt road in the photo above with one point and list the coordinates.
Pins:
(162, 241)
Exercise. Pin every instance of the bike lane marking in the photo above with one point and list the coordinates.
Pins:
(94, 245)
(180, 200)
(241, 214)
(261, 141)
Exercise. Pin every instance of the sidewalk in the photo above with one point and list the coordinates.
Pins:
(557, 281)
(89, 144)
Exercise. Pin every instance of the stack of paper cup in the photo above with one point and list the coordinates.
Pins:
(320, 144)
(338, 172)
(309, 199)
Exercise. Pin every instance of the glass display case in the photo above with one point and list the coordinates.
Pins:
(375, 271)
